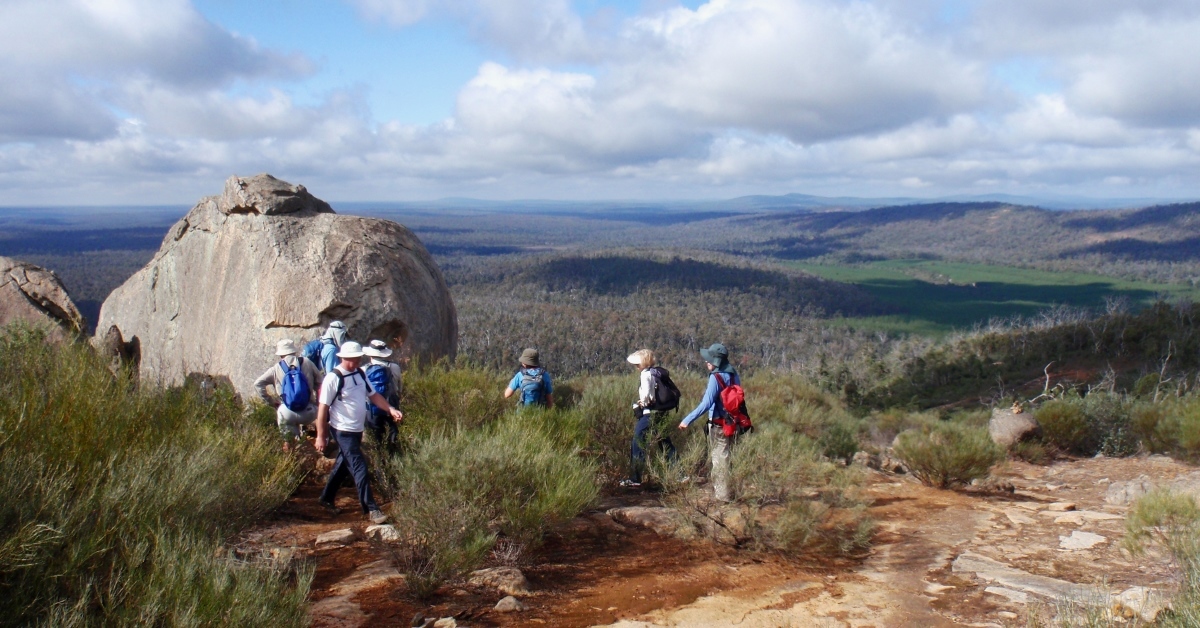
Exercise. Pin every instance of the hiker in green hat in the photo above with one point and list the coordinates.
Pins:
(721, 375)
(533, 381)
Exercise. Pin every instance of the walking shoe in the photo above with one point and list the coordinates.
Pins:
(377, 516)
(629, 484)
(333, 510)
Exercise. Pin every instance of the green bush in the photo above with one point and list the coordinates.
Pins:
(948, 454)
(460, 490)
(604, 408)
(1109, 421)
(119, 497)
(439, 396)
(1030, 451)
(787, 498)
(1065, 426)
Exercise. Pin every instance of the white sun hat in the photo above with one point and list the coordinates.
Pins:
(377, 349)
(285, 347)
(350, 349)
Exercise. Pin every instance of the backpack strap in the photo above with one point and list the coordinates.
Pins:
(342, 380)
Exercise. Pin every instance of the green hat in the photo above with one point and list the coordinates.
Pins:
(715, 355)
(529, 357)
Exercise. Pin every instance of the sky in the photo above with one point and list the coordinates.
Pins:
(159, 101)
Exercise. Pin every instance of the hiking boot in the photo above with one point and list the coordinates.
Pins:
(377, 516)
(629, 484)
(329, 506)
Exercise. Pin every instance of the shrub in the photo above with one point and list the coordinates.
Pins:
(1109, 422)
(787, 498)
(1065, 426)
(948, 454)
(1172, 521)
(119, 495)
(1030, 451)
(439, 396)
(459, 490)
(839, 440)
(604, 408)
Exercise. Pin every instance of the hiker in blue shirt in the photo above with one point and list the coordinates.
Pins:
(533, 381)
(716, 358)
(331, 342)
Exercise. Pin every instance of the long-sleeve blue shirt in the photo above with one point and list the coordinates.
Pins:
(711, 402)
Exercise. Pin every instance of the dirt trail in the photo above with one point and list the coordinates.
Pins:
(941, 558)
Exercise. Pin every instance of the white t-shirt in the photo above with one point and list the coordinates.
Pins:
(347, 413)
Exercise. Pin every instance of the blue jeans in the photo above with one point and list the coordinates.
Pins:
(350, 461)
(643, 438)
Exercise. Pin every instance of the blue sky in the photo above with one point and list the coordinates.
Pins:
(158, 101)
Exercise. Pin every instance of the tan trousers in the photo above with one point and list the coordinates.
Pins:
(719, 448)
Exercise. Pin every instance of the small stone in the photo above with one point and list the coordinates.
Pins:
(508, 580)
(386, 533)
(336, 537)
(1007, 615)
(446, 622)
(1080, 540)
(509, 604)
(1061, 506)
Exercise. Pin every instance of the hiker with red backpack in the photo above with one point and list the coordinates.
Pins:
(294, 379)
(342, 415)
(657, 395)
(725, 402)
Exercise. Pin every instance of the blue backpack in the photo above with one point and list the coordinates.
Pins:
(380, 378)
(294, 392)
(533, 386)
(312, 351)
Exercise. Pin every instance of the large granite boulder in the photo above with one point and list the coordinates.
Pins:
(264, 261)
(35, 295)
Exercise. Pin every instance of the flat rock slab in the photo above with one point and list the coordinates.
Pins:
(664, 521)
(1012, 595)
(1077, 517)
(1015, 579)
(1080, 540)
(337, 537)
(1018, 517)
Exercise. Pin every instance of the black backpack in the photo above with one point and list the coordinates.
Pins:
(664, 394)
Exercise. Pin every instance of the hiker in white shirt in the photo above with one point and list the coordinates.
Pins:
(342, 414)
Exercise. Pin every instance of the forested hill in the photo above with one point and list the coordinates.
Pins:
(1159, 243)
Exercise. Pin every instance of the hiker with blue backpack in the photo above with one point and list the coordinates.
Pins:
(323, 350)
(295, 382)
(385, 378)
(657, 395)
(533, 381)
(342, 416)
(725, 402)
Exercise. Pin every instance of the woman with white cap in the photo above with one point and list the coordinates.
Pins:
(294, 407)
(649, 430)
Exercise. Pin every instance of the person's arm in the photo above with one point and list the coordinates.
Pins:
(328, 357)
(328, 388)
(512, 386)
(260, 384)
(644, 381)
(710, 396)
(380, 402)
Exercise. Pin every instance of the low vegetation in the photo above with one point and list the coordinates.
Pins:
(118, 498)
(948, 454)
(1170, 521)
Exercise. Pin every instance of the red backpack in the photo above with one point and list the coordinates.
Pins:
(733, 398)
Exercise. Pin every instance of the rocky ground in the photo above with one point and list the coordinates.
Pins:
(994, 558)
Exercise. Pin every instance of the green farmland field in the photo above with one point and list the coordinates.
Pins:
(937, 297)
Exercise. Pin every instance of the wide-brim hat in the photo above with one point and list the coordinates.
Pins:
(634, 358)
(530, 357)
(285, 347)
(377, 349)
(715, 355)
(350, 349)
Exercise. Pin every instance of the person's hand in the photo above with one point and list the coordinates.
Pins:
(397, 415)
(683, 426)
(322, 440)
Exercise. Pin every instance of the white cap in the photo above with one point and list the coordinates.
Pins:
(350, 349)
